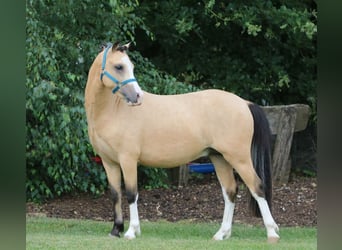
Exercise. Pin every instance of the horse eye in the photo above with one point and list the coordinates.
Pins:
(118, 67)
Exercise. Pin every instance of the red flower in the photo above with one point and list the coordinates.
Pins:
(97, 159)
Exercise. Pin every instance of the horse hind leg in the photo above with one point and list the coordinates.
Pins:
(114, 179)
(271, 227)
(225, 175)
(255, 185)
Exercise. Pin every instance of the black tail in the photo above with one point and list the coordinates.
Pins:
(261, 156)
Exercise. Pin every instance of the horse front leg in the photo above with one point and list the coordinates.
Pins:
(114, 180)
(129, 169)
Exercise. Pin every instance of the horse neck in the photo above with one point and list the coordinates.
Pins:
(100, 103)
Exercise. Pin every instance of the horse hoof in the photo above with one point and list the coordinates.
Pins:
(272, 240)
(222, 235)
(216, 238)
(129, 237)
(114, 235)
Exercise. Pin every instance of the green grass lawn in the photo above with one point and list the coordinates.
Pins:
(49, 233)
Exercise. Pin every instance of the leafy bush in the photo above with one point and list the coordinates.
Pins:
(151, 178)
(57, 148)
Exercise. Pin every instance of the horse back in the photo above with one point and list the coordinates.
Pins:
(185, 126)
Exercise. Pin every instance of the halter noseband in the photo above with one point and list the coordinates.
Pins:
(104, 72)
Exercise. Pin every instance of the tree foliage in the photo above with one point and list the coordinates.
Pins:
(264, 51)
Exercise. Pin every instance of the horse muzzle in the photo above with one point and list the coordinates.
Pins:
(132, 94)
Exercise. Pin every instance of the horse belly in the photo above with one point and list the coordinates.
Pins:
(172, 136)
(172, 153)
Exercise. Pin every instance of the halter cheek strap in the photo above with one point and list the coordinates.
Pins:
(106, 73)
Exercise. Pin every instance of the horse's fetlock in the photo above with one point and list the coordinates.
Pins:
(119, 226)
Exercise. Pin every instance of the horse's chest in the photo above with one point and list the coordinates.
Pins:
(104, 145)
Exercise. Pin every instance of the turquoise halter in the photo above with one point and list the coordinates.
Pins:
(105, 73)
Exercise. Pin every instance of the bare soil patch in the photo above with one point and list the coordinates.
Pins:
(294, 204)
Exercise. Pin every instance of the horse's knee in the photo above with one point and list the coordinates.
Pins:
(115, 195)
(131, 196)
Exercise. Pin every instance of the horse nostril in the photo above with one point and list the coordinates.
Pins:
(138, 95)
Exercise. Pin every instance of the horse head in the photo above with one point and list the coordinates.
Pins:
(118, 73)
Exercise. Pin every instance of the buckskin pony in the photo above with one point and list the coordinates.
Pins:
(129, 127)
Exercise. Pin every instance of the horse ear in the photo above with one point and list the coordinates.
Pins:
(127, 45)
(116, 46)
(102, 47)
(123, 48)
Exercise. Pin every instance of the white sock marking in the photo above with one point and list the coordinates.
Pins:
(271, 226)
(134, 224)
(226, 227)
